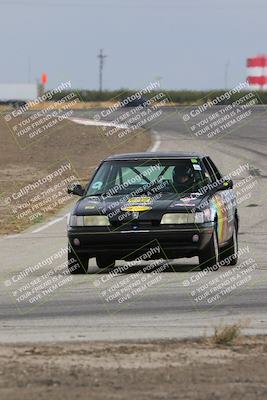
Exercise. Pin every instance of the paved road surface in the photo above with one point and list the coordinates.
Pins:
(78, 311)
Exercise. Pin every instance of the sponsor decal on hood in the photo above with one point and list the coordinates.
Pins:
(90, 207)
(136, 208)
(139, 200)
(183, 204)
(138, 204)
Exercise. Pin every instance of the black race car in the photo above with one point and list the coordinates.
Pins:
(179, 200)
(137, 102)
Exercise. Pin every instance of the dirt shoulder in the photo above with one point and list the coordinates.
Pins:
(26, 161)
(144, 370)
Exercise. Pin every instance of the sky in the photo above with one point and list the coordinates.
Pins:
(188, 44)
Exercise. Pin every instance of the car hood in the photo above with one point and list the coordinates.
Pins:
(147, 207)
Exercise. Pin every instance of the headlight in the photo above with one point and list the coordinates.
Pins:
(89, 220)
(187, 218)
(76, 221)
(178, 218)
(199, 217)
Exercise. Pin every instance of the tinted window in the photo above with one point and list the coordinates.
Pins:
(125, 177)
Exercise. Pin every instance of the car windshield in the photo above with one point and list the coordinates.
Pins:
(148, 176)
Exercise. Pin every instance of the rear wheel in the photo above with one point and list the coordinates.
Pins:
(229, 253)
(105, 262)
(209, 257)
(77, 264)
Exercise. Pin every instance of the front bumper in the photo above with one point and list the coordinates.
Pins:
(174, 242)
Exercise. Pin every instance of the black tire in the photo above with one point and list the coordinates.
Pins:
(209, 257)
(77, 264)
(229, 253)
(105, 262)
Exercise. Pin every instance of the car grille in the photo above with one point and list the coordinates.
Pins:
(134, 224)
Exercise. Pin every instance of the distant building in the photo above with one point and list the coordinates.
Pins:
(12, 92)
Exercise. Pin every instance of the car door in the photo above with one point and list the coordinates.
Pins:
(224, 203)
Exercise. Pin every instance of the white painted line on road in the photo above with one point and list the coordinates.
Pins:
(157, 141)
(92, 122)
(12, 236)
(83, 121)
(42, 228)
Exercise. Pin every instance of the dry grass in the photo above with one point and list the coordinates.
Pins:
(226, 335)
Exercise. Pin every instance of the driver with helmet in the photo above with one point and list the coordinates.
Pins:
(183, 177)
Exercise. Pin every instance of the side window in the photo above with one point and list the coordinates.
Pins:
(209, 170)
(215, 169)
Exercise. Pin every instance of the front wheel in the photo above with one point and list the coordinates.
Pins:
(209, 257)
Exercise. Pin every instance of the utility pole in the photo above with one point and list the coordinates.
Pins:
(101, 57)
(226, 69)
(29, 69)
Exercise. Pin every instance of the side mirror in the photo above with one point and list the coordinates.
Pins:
(226, 185)
(76, 188)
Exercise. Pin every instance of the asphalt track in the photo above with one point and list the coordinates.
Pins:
(78, 312)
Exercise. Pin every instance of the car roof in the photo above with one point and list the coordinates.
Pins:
(157, 155)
